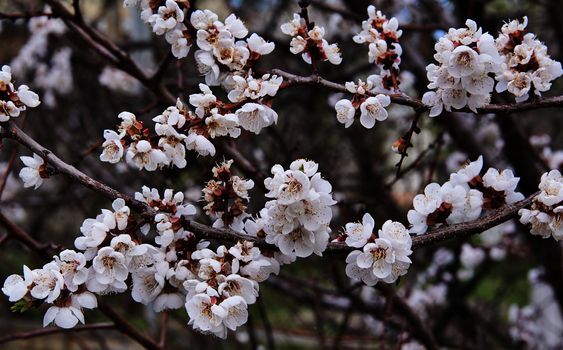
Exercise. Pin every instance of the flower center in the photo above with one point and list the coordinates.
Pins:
(379, 253)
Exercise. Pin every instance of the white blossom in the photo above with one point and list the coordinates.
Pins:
(373, 109)
(345, 112)
(34, 171)
(358, 234)
(113, 148)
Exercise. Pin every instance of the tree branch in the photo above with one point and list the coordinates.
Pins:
(405, 100)
(507, 212)
(48, 331)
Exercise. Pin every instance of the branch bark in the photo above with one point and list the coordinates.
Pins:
(507, 212)
(403, 99)
(48, 331)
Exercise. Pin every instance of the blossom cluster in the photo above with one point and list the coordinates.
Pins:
(372, 108)
(382, 35)
(545, 215)
(467, 60)
(255, 95)
(222, 53)
(168, 20)
(14, 101)
(308, 40)
(526, 66)
(466, 57)
(177, 270)
(383, 256)
(297, 219)
(227, 196)
(463, 197)
(179, 129)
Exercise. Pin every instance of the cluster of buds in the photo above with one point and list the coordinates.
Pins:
(179, 129)
(308, 40)
(382, 35)
(133, 141)
(526, 66)
(545, 215)
(226, 196)
(14, 101)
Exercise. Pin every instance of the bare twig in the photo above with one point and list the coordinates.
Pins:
(24, 15)
(405, 142)
(48, 331)
(15, 232)
(127, 328)
(418, 327)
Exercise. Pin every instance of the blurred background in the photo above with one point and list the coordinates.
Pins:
(469, 295)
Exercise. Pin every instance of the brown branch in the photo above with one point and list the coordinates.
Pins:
(418, 327)
(163, 329)
(417, 162)
(405, 100)
(405, 142)
(494, 218)
(11, 130)
(24, 15)
(8, 170)
(48, 331)
(127, 328)
(15, 232)
(77, 12)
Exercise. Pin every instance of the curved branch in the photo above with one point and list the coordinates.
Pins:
(462, 230)
(496, 217)
(405, 100)
(12, 131)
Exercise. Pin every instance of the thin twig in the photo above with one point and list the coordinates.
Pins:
(417, 325)
(48, 331)
(266, 323)
(24, 15)
(127, 328)
(15, 232)
(405, 142)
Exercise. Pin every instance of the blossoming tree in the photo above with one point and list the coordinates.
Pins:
(229, 200)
